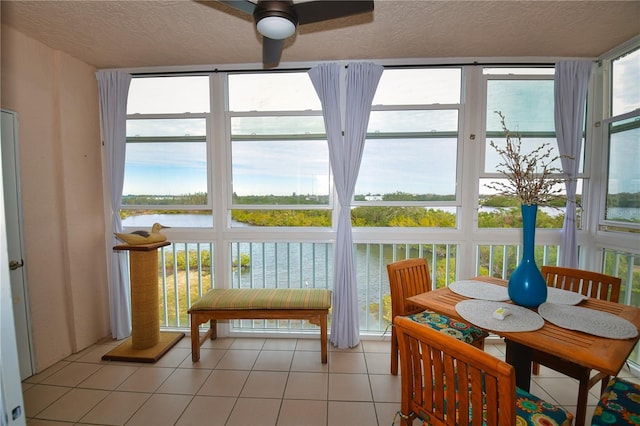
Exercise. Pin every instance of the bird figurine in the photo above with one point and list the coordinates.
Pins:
(140, 237)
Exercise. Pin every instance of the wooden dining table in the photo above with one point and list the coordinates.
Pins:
(585, 350)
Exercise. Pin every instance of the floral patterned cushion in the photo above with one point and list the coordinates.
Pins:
(619, 404)
(531, 410)
(460, 330)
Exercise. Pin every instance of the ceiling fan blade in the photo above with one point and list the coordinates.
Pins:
(242, 5)
(324, 10)
(271, 51)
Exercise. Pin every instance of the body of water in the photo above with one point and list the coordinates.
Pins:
(623, 213)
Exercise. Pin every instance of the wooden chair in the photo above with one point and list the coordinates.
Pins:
(448, 382)
(591, 284)
(408, 278)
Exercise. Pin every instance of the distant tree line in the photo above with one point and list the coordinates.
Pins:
(624, 199)
(504, 201)
(404, 196)
(283, 217)
(506, 216)
(195, 199)
(293, 199)
(381, 216)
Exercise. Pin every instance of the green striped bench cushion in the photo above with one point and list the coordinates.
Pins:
(263, 298)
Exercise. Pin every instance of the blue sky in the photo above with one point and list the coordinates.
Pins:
(165, 169)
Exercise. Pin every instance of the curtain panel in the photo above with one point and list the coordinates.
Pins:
(571, 82)
(113, 89)
(345, 154)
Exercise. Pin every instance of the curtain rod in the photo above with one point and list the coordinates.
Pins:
(442, 65)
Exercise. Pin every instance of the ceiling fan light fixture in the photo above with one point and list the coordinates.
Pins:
(276, 27)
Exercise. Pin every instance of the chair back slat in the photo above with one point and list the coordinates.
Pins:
(589, 283)
(449, 392)
(464, 379)
(446, 380)
(491, 404)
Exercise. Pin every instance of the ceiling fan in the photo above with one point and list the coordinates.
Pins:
(277, 20)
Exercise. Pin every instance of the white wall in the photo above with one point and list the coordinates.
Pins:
(56, 98)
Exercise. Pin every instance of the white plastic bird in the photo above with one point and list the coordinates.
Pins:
(137, 238)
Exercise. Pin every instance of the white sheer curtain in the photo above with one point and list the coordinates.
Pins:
(345, 153)
(571, 83)
(113, 89)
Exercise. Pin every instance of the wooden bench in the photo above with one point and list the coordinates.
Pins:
(310, 304)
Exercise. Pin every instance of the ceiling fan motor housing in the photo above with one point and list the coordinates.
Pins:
(277, 20)
(275, 9)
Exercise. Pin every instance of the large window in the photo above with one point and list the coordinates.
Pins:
(260, 143)
(409, 170)
(280, 172)
(166, 175)
(242, 159)
(622, 207)
(525, 97)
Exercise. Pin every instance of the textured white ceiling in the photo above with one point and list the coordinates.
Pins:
(127, 33)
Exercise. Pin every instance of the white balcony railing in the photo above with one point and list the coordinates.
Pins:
(186, 273)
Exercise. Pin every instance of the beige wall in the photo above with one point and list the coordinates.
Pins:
(56, 98)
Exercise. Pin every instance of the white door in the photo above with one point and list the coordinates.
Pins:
(13, 215)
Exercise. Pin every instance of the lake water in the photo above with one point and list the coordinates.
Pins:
(623, 213)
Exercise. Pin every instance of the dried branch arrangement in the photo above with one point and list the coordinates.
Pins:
(530, 177)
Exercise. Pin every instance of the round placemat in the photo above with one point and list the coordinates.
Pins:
(480, 290)
(564, 297)
(480, 313)
(587, 320)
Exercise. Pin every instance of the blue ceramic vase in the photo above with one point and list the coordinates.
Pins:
(527, 286)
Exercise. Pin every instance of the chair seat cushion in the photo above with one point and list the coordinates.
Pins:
(458, 329)
(531, 410)
(619, 404)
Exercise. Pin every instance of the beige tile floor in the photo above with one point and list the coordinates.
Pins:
(241, 381)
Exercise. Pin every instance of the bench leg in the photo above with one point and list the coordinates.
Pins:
(323, 337)
(213, 329)
(195, 340)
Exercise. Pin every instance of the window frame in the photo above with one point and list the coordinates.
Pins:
(229, 115)
(420, 135)
(229, 205)
(607, 61)
(454, 204)
(604, 223)
(583, 173)
(206, 139)
(169, 139)
(486, 135)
